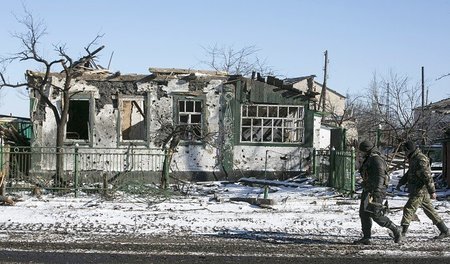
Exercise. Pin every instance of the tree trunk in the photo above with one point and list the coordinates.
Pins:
(60, 132)
(59, 177)
(166, 168)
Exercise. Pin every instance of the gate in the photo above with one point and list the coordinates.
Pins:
(335, 169)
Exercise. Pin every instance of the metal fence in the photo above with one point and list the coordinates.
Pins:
(321, 166)
(94, 169)
(335, 169)
(83, 168)
(343, 170)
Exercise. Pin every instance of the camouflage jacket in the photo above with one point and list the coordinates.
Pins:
(418, 177)
(374, 174)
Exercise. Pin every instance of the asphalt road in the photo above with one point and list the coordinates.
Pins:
(85, 257)
(250, 248)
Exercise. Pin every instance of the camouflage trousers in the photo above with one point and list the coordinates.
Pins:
(414, 202)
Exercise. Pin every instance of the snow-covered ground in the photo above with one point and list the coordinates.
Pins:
(305, 211)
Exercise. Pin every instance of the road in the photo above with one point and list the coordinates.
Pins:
(63, 257)
(68, 248)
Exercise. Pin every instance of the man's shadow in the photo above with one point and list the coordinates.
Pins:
(279, 237)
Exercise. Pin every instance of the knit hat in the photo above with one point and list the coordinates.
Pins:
(409, 147)
(365, 146)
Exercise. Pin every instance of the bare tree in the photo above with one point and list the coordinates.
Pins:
(170, 134)
(40, 82)
(391, 106)
(375, 113)
(242, 61)
(442, 76)
(338, 117)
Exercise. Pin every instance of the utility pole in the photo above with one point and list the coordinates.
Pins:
(422, 117)
(423, 89)
(324, 86)
(388, 107)
(388, 110)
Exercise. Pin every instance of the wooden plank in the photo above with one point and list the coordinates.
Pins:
(253, 200)
(261, 182)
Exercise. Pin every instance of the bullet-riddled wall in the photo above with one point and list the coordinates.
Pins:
(116, 112)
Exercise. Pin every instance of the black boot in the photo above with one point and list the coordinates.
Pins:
(395, 232)
(404, 229)
(363, 241)
(443, 229)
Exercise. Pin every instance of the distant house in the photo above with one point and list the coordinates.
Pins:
(234, 126)
(15, 130)
(335, 104)
(334, 101)
(446, 156)
(437, 120)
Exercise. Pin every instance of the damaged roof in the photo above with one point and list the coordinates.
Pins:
(298, 79)
(175, 71)
(94, 75)
(292, 81)
(442, 106)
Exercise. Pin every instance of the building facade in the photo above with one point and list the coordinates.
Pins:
(228, 126)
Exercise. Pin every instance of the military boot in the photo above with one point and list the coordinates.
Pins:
(367, 234)
(443, 229)
(404, 229)
(396, 233)
(363, 241)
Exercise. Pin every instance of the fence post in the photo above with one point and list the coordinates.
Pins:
(331, 180)
(265, 165)
(352, 170)
(75, 181)
(105, 185)
(314, 163)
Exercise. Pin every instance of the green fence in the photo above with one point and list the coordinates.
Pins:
(83, 168)
(335, 169)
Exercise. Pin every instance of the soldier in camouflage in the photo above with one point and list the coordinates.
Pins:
(375, 181)
(421, 189)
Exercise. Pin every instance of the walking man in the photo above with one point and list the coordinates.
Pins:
(421, 189)
(375, 181)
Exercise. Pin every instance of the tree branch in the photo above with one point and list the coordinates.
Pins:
(240, 62)
(443, 76)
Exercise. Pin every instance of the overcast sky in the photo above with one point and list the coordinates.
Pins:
(362, 37)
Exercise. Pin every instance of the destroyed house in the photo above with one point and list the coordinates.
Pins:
(231, 126)
(15, 131)
(437, 117)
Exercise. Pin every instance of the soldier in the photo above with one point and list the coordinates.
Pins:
(375, 181)
(421, 189)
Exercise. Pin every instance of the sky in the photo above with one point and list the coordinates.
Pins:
(362, 38)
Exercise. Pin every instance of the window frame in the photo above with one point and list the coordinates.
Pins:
(142, 98)
(177, 111)
(261, 119)
(91, 101)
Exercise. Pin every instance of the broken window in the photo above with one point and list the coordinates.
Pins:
(190, 118)
(78, 120)
(132, 119)
(272, 123)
